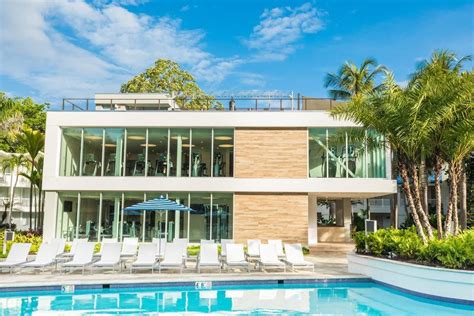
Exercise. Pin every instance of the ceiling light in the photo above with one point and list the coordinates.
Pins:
(223, 138)
(149, 145)
(187, 145)
(110, 145)
(93, 137)
(226, 146)
(182, 137)
(136, 137)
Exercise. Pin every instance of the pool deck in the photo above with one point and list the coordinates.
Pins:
(327, 267)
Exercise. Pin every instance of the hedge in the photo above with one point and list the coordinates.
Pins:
(454, 252)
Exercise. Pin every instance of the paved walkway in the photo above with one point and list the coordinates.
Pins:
(326, 267)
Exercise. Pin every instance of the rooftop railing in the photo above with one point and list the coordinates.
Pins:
(218, 103)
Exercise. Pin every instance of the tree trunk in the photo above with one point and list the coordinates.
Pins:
(36, 213)
(31, 204)
(463, 196)
(423, 185)
(423, 214)
(453, 199)
(394, 210)
(437, 185)
(411, 204)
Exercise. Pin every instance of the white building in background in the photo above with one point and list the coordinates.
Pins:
(21, 204)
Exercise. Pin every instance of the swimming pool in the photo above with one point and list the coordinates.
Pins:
(358, 298)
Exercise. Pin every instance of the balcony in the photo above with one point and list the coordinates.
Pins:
(163, 102)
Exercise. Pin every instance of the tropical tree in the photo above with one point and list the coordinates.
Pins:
(168, 77)
(13, 163)
(11, 119)
(351, 80)
(33, 143)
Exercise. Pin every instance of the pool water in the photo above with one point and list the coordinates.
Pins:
(304, 299)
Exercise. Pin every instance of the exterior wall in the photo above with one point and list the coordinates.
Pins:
(271, 216)
(455, 285)
(271, 153)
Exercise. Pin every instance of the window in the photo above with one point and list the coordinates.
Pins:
(221, 216)
(201, 148)
(136, 163)
(92, 152)
(113, 151)
(70, 160)
(179, 152)
(158, 152)
(89, 212)
(223, 151)
(67, 215)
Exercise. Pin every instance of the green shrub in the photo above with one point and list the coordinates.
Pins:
(456, 252)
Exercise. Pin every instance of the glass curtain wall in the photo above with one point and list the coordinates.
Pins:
(132, 221)
(92, 152)
(98, 215)
(222, 210)
(200, 219)
(70, 160)
(177, 152)
(201, 151)
(67, 215)
(136, 162)
(157, 152)
(178, 165)
(110, 218)
(345, 153)
(223, 153)
(89, 216)
(114, 142)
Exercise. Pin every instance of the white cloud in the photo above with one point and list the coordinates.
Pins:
(102, 47)
(280, 29)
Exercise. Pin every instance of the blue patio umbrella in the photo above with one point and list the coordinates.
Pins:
(161, 205)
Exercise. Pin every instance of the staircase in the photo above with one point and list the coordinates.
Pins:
(332, 249)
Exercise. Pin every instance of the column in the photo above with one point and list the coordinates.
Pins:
(347, 211)
(50, 215)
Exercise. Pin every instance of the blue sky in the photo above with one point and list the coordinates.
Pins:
(53, 49)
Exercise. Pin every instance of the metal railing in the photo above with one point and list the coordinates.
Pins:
(217, 103)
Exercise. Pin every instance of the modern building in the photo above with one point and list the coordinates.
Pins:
(21, 198)
(267, 168)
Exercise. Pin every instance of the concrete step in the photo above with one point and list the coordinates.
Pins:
(332, 248)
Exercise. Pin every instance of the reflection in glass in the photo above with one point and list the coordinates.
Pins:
(136, 164)
(222, 216)
(67, 215)
(155, 221)
(89, 215)
(132, 221)
(201, 152)
(70, 159)
(113, 151)
(199, 226)
(376, 155)
(111, 208)
(317, 152)
(223, 162)
(92, 152)
(336, 150)
(178, 221)
(179, 152)
(157, 151)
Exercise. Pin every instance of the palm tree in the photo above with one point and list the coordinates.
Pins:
(447, 99)
(33, 143)
(11, 118)
(13, 163)
(351, 80)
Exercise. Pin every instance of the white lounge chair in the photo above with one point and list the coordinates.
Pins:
(279, 247)
(183, 244)
(208, 257)
(46, 257)
(18, 255)
(83, 257)
(253, 249)
(269, 258)
(61, 244)
(129, 247)
(206, 241)
(160, 248)
(235, 257)
(110, 256)
(224, 242)
(173, 257)
(295, 258)
(146, 258)
(74, 244)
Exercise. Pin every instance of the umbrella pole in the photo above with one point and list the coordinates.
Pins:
(159, 235)
(143, 226)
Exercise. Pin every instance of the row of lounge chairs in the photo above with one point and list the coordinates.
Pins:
(155, 256)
